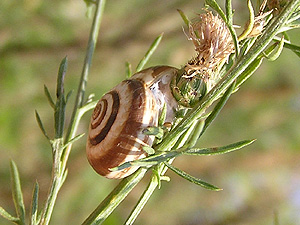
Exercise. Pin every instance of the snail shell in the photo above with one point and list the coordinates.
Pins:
(115, 133)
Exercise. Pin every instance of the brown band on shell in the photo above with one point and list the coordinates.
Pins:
(134, 123)
(115, 108)
(101, 109)
(123, 139)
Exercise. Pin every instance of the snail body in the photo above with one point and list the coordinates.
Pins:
(120, 116)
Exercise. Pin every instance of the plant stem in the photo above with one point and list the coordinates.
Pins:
(161, 170)
(119, 193)
(143, 200)
(55, 182)
(115, 198)
(60, 157)
(86, 67)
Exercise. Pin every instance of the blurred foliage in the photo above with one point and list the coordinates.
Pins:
(262, 179)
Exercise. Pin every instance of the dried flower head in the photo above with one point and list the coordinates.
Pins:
(213, 44)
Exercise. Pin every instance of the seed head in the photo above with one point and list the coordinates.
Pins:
(213, 44)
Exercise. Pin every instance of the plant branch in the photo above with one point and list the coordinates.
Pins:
(79, 101)
(237, 69)
(60, 153)
(107, 206)
(156, 179)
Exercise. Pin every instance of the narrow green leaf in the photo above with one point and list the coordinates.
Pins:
(90, 98)
(149, 161)
(68, 96)
(246, 45)
(156, 131)
(64, 177)
(163, 114)
(218, 150)
(89, 7)
(297, 53)
(73, 140)
(48, 95)
(17, 192)
(87, 107)
(157, 158)
(286, 36)
(165, 178)
(7, 216)
(61, 76)
(293, 47)
(247, 73)
(134, 163)
(164, 156)
(149, 53)
(195, 135)
(39, 121)
(116, 196)
(294, 18)
(228, 11)
(34, 205)
(60, 107)
(39, 217)
(143, 199)
(213, 4)
(128, 70)
(186, 136)
(155, 173)
(149, 150)
(250, 23)
(121, 167)
(192, 179)
(184, 17)
(218, 107)
(277, 53)
(235, 39)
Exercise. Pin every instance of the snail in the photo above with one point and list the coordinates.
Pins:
(119, 118)
(116, 131)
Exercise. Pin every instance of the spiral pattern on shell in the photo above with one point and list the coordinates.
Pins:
(115, 133)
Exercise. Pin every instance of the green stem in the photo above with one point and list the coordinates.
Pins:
(162, 169)
(86, 68)
(155, 179)
(60, 157)
(56, 182)
(77, 112)
(143, 200)
(108, 205)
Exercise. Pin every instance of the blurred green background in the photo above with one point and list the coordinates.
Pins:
(258, 182)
